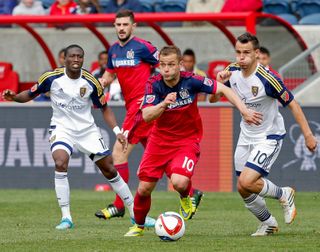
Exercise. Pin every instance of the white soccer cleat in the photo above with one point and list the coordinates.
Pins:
(287, 202)
(267, 227)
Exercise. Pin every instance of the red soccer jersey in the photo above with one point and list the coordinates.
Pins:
(132, 63)
(180, 123)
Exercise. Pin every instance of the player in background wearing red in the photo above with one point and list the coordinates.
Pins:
(173, 146)
(131, 59)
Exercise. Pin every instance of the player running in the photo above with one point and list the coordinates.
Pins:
(173, 147)
(131, 59)
(259, 146)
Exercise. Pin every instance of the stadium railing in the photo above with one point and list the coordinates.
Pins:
(218, 20)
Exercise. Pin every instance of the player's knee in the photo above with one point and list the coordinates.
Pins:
(179, 185)
(61, 165)
(117, 154)
(145, 190)
(244, 184)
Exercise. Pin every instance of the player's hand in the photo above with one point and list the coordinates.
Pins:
(170, 99)
(252, 117)
(223, 76)
(311, 143)
(124, 142)
(8, 95)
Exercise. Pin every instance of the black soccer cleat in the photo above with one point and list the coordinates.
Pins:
(110, 212)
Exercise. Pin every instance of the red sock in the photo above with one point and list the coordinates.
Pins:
(141, 207)
(123, 170)
(191, 189)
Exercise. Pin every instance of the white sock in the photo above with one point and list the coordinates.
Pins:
(121, 188)
(270, 190)
(63, 193)
(257, 206)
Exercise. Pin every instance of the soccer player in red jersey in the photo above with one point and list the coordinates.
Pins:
(173, 146)
(131, 59)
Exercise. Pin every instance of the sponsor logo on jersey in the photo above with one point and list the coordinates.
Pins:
(285, 96)
(184, 93)
(150, 98)
(130, 54)
(180, 103)
(254, 90)
(83, 91)
(208, 82)
(34, 88)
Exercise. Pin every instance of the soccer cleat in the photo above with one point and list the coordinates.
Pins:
(267, 227)
(65, 224)
(149, 222)
(134, 231)
(110, 212)
(287, 202)
(186, 208)
(196, 199)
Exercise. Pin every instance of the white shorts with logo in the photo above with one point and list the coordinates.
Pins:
(259, 156)
(89, 142)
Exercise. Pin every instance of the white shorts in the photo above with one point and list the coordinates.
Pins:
(89, 142)
(259, 157)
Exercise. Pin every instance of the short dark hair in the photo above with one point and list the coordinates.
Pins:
(62, 50)
(125, 13)
(189, 52)
(264, 50)
(102, 52)
(72, 46)
(248, 37)
(170, 49)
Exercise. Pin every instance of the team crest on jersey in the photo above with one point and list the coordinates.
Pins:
(285, 96)
(184, 93)
(34, 88)
(150, 98)
(208, 82)
(52, 139)
(130, 54)
(254, 90)
(83, 91)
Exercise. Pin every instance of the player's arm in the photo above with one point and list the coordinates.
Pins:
(110, 119)
(107, 78)
(222, 77)
(249, 116)
(22, 97)
(151, 113)
(310, 140)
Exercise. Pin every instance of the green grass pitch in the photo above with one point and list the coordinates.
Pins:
(28, 219)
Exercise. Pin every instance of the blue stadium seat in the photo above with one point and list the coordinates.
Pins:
(276, 6)
(313, 19)
(171, 6)
(307, 7)
(147, 5)
(104, 4)
(281, 8)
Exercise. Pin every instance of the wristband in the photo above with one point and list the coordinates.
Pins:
(116, 130)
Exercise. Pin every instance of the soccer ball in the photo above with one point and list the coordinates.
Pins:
(169, 226)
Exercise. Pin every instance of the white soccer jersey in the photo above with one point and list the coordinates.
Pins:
(261, 92)
(71, 99)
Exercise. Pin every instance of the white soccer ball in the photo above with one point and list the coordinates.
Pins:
(170, 226)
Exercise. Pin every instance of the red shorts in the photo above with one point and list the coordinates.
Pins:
(170, 159)
(136, 128)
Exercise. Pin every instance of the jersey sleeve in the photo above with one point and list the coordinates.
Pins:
(204, 85)
(275, 88)
(110, 67)
(151, 96)
(43, 85)
(97, 95)
(150, 54)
